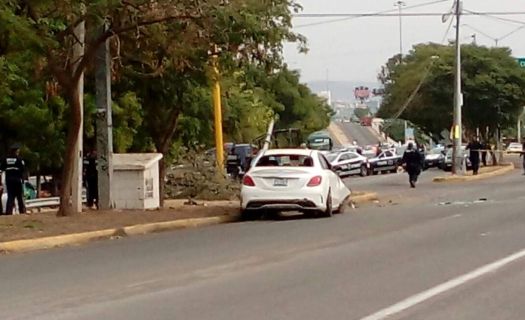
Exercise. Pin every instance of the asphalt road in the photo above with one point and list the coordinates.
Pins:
(412, 258)
(355, 131)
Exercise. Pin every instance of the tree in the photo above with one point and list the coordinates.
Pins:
(493, 88)
(255, 30)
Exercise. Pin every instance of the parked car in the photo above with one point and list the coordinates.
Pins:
(348, 163)
(515, 147)
(435, 158)
(292, 180)
(237, 157)
(447, 165)
(387, 161)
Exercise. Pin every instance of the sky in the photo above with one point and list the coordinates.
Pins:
(355, 49)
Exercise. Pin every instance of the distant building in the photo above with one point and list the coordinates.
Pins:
(327, 95)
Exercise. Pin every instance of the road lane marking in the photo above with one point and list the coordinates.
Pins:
(444, 287)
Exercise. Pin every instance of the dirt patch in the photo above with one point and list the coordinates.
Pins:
(45, 224)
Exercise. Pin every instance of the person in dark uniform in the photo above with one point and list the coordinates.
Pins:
(15, 170)
(522, 154)
(413, 161)
(474, 148)
(91, 178)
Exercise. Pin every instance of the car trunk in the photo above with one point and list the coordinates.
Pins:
(281, 179)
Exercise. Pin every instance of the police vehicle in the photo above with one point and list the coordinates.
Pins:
(386, 161)
(348, 163)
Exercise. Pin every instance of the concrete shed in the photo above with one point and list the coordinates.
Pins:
(136, 180)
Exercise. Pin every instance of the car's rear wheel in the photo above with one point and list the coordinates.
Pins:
(329, 209)
(394, 170)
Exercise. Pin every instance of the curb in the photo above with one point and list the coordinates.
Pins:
(498, 172)
(84, 237)
(366, 197)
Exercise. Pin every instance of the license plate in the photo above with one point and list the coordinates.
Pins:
(280, 182)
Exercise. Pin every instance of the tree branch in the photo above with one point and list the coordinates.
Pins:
(93, 47)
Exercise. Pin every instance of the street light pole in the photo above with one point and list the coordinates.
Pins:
(458, 99)
(400, 5)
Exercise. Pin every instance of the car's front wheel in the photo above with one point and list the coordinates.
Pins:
(329, 211)
(248, 215)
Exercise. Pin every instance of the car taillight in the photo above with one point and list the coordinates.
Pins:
(315, 181)
(248, 181)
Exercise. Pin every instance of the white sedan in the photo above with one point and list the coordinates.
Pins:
(292, 180)
(515, 147)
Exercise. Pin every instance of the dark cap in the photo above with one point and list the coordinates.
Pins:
(16, 146)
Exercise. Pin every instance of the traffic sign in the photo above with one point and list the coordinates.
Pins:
(521, 61)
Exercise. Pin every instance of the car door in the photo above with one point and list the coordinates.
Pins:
(390, 160)
(354, 163)
(336, 184)
(343, 162)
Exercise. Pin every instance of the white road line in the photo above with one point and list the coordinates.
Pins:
(449, 285)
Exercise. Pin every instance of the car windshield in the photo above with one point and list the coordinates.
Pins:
(515, 145)
(285, 160)
(436, 151)
(331, 156)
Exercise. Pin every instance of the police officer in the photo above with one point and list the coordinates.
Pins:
(91, 178)
(14, 168)
(413, 160)
(474, 147)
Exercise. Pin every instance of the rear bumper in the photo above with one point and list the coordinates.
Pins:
(284, 205)
(254, 199)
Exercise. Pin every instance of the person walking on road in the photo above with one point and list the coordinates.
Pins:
(474, 148)
(15, 170)
(413, 161)
(91, 178)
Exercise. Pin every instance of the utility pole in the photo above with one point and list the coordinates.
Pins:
(400, 5)
(216, 92)
(104, 125)
(76, 184)
(519, 124)
(458, 99)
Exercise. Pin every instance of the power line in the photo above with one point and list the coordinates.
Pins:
(408, 14)
(493, 16)
(446, 32)
(380, 12)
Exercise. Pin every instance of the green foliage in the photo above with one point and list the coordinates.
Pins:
(161, 73)
(493, 87)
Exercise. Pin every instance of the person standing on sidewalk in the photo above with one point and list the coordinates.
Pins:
(474, 148)
(413, 161)
(91, 178)
(15, 170)
(522, 154)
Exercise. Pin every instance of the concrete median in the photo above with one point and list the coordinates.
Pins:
(25, 245)
(85, 237)
(501, 170)
(364, 197)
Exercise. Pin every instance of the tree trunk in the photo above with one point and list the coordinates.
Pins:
(163, 146)
(66, 208)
